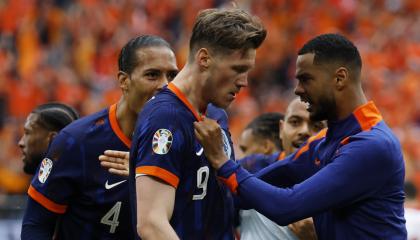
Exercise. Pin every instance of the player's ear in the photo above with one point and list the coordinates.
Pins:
(202, 57)
(268, 147)
(341, 78)
(281, 125)
(51, 136)
(123, 80)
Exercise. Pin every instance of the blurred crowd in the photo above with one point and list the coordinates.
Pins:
(63, 50)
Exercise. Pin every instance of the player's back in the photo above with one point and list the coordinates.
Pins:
(92, 203)
(164, 145)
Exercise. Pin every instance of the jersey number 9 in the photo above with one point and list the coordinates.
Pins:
(202, 179)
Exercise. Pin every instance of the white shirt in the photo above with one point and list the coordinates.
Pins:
(255, 226)
(412, 217)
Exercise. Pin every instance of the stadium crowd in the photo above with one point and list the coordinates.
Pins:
(66, 51)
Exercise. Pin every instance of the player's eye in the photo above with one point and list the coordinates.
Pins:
(172, 75)
(152, 75)
(294, 122)
(240, 69)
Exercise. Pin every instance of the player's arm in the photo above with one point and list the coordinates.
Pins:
(52, 187)
(292, 170)
(39, 223)
(296, 167)
(155, 204)
(117, 162)
(358, 170)
(157, 162)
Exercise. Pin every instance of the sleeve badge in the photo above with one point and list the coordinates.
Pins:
(162, 141)
(44, 170)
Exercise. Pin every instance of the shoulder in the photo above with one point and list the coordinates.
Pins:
(378, 143)
(82, 127)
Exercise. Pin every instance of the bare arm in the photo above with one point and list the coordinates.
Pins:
(116, 162)
(155, 204)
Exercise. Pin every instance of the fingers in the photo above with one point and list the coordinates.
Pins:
(117, 154)
(118, 166)
(105, 158)
(206, 127)
(123, 173)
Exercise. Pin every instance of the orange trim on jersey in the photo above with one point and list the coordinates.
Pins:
(231, 182)
(305, 148)
(45, 202)
(115, 127)
(367, 115)
(160, 173)
(282, 155)
(345, 141)
(184, 99)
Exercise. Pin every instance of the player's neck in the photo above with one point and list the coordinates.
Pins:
(126, 118)
(186, 81)
(349, 101)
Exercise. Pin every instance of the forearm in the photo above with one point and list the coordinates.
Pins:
(155, 228)
(286, 205)
(38, 222)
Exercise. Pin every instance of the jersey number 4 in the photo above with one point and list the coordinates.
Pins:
(202, 179)
(111, 217)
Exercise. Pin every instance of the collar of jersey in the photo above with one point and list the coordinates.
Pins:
(184, 100)
(363, 118)
(112, 115)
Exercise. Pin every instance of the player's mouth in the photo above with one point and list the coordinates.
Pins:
(298, 143)
(308, 102)
(23, 158)
(232, 95)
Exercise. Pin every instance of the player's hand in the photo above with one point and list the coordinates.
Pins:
(304, 229)
(209, 134)
(116, 162)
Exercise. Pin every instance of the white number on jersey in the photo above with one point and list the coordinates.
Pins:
(111, 217)
(202, 182)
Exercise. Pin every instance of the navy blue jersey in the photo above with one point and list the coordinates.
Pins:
(349, 177)
(91, 202)
(165, 147)
(255, 162)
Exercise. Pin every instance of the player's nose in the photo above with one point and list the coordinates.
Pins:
(162, 83)
(242, 81)
(304, 131)
(21, 143)
(299, 89)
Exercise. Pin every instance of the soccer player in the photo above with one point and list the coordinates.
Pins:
(261, 135)
(349, 177)
(90, 202)
(294, 130)
(174, 189)
(40, 128)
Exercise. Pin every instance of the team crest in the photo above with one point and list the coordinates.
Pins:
(44, 170)
(162, 141)
(226, 145)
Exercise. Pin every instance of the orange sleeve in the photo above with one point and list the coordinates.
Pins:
(45, 202)
(160, 173)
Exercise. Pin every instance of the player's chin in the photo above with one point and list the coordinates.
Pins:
(225, 103)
